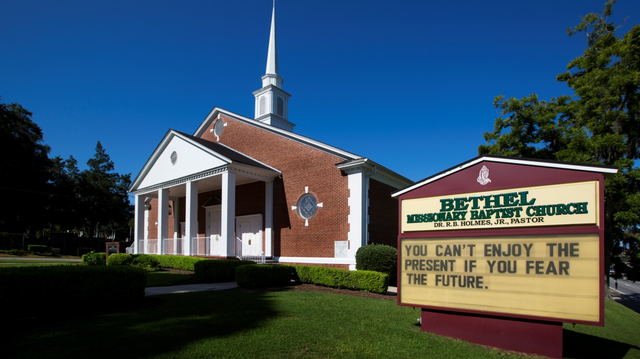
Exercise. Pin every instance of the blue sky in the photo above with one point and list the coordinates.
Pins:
(408, 84)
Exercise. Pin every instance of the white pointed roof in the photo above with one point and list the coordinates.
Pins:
(180, 157)
(271, 76)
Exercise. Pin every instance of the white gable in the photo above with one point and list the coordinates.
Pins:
(189, 159)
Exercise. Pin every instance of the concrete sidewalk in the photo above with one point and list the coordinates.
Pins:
(172, 289)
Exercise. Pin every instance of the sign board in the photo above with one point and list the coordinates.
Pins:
(501, 251)
(543, 276)
(553, 205)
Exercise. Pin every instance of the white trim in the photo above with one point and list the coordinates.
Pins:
(358, 202)
(268, 218)
(316, 260)
(516, 161)
(377, 172)
(260, 173)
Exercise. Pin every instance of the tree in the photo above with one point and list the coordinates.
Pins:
(65, 214)
(25, 177)
(103, 196)
(599, 124)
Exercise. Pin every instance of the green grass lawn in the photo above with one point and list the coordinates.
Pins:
(34, 262)
(252, 324)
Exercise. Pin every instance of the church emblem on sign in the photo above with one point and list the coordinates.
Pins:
(483, 176)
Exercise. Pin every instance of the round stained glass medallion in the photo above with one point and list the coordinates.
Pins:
(307, 206)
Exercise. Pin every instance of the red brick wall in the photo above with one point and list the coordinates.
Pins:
(301, 166)
(383, 214)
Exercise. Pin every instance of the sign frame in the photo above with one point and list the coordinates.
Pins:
(494, 174)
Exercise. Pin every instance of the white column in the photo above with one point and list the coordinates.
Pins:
(163, 217)
(268, 219)
(138, 223)
(228, 222)
(191, 215)
(176, 223)
(358, 213)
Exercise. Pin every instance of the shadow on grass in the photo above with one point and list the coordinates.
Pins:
(164, 324)
(580, 345)
(631, 301)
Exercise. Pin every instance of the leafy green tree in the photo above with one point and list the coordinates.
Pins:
(24, 178)
(598, 124)
(65, 215)
(103, 197)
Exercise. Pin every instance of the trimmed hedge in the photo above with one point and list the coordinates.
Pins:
(94, 259)
(264, 275)
(178, 262)
(63, 290)
(215, 271)
(375, 282)
(145, 261)
(37, 248)
(120, 259)
(378, 258)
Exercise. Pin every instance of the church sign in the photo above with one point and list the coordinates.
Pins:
(507, 246)
(556, 205)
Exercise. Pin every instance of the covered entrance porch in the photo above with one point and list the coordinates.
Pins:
(185, 201)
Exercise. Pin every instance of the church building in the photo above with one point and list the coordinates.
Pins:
(251, 188)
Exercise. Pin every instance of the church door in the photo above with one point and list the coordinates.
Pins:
(249, 230)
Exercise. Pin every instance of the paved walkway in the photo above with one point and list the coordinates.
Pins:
(173, 289)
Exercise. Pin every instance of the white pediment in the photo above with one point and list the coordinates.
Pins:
(178, 157)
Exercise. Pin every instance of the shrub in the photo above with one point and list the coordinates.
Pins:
(16, 252)
(264, 275)
(83, 250)
(94, 259)
(370, 281)
(378, 258)
(178, 262)
(37, 248)
(119, 259)
(68, 289)
(145, 261)
(215, 271)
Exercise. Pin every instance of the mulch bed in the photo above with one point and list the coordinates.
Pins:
(320, 289)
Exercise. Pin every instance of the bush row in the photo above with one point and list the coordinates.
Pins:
(153, 261)
(264, 275)
(375, 282)
(37, 248)
(216, 271)
(68, 289)
(178, 262)
(94, 259)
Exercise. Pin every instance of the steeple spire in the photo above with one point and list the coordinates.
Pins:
(272, 55)
(271, 101)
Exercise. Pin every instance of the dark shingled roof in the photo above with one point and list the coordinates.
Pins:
(227, 152)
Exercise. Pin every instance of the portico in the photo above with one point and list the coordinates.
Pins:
(182, 170)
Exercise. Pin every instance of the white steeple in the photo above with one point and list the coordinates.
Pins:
(271, 101)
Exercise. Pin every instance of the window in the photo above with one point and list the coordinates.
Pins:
(280, 106)
(307, 206)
